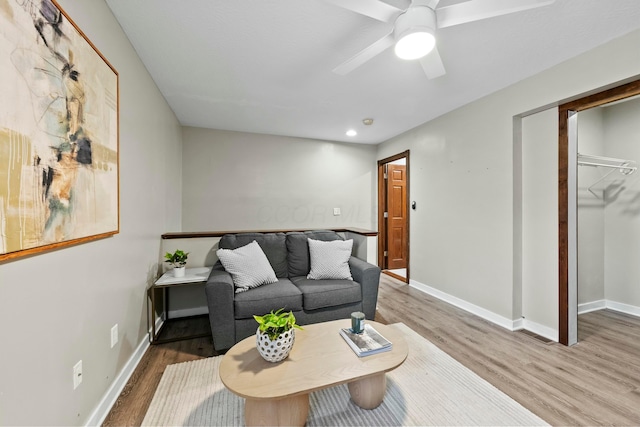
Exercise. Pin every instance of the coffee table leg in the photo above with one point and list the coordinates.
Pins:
(290, 411)
(368, 392)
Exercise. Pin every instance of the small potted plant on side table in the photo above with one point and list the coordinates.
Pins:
(275, 335)
(178, 260)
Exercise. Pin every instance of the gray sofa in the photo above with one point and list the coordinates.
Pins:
(312, 301)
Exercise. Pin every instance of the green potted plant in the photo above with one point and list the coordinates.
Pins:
(275, 334)
(178, 260)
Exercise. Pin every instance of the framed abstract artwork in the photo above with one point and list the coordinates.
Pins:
(59, 132)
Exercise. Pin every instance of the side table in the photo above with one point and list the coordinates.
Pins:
(167, 280)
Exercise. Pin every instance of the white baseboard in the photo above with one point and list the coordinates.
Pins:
(109, 399)
(611, 305)
(623, 308)
(99, 414)
(514, 325)
(159, 322)
(518, 324)
(186, 312)
(492, 317)
(542, 330)
(588, 307)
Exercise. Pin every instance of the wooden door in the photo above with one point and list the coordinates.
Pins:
(396, 216)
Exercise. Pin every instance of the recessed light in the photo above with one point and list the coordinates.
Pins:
(351, 132)
(367, 122)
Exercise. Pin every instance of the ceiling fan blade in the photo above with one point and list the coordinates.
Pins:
(429, 3)
(365, 55)
(375, 9)
(432, 64)
(481, 9)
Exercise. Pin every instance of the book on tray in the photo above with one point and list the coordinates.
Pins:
(366, 343)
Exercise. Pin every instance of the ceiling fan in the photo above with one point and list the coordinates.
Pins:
(414, 29)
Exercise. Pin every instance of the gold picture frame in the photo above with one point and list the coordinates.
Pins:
(59, 132)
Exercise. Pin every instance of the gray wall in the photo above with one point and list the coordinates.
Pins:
(58, 307)
(461, 237)
(462, 176)
(540, 222)
(240, 181)
(247, 181)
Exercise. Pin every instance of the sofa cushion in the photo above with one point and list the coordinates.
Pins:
(327, 293)
(298, 249)
(260, 301)
(273, 245)
(330, 260)
(248, 266)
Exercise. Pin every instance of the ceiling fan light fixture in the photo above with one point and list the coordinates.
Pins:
(415, 45)
(415, 32)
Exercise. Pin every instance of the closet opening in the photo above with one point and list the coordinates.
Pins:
(598, 206)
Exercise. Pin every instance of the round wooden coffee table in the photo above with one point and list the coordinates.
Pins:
(278, 393)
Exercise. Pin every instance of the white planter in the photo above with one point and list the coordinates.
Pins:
(179, 271)
(277, 350)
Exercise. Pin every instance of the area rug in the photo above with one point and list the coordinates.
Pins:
(429, 388)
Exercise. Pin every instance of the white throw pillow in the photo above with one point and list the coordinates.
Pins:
(248, 266)
(330, 260)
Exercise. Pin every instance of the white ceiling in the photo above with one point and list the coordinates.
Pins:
(264, 66)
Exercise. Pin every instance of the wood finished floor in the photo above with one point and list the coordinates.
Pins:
(596, 382)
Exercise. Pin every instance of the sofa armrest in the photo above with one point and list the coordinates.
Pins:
(220, 293)
(368, 275)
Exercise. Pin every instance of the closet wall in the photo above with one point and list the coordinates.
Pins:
(590, 213)
(609, 214)
(622, 209)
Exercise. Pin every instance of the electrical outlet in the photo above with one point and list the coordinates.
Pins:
(336, 211)
(77, 374)
(114, 335)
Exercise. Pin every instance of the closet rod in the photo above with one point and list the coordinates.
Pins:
(604, 159)
(620, 164)
(632, 168)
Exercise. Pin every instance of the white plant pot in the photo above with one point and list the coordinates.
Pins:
(277, 350)
(179, 271)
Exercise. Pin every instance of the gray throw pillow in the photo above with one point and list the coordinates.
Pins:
(330, 260)
(248, 266)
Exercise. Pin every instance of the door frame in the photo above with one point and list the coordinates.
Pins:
(567, 214)
(382, 224)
